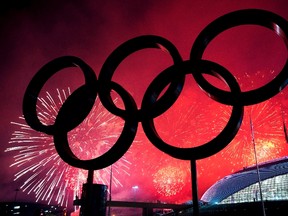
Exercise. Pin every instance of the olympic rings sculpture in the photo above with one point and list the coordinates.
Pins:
(80, 102)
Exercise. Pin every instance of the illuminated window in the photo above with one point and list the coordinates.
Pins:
(275, 188)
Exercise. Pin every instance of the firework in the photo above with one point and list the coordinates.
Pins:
(192, 121)
(266, 123)
(188, 123)
(196, 120)
(43, 171)
(265, 120)
(169, 181)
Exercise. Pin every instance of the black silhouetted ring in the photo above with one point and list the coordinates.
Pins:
(223, 138)
(123, 51)
(37, 83)
(242, 17)
(120, 147)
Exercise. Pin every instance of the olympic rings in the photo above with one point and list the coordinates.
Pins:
(242, 17)
(80, 102)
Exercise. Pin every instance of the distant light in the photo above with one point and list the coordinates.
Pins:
(16, 207)
(135, 187)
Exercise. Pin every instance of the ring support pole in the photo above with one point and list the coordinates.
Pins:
(94, 198)
(194, 188)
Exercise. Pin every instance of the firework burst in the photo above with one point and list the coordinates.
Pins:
(190, 122)
(262, 134)
(43, 171)
(265, 122)
(170, 180)
(195, 121)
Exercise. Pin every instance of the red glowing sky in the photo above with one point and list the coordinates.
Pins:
(38, 31)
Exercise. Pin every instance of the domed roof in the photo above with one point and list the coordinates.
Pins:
(244, 178)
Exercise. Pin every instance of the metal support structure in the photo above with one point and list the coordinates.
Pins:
(94, 198)
(194, 188)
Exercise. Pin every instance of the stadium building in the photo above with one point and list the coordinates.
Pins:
(256, 190)
(243, 186)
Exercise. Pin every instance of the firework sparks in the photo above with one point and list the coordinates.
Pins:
(195, 121)
(188, 123)
(44, 172)
(192, 121)
(267, 120)
(169, 181)
(268, 132)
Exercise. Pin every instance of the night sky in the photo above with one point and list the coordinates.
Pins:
(36, 32)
